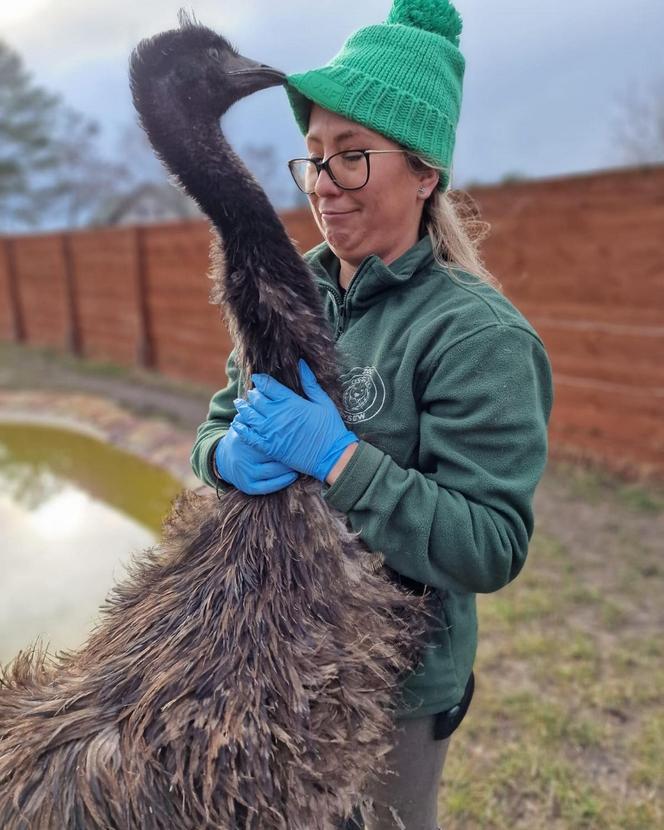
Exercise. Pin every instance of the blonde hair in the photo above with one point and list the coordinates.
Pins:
(452, 220)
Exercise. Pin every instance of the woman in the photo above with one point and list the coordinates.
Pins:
(442, 440)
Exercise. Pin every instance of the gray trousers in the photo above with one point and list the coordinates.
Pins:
(406, 798)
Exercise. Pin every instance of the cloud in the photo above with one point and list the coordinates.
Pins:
(539, 85)
(68, 34)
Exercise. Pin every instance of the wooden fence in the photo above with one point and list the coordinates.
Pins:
(581, 256)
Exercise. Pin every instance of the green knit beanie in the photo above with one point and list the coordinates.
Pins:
(402, 78)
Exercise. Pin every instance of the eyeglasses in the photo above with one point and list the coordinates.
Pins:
(348, 169)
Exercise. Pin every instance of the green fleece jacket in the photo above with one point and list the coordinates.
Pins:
(448, 387)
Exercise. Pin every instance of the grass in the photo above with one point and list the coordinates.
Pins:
(566, 729)
(593, 484)
(45, 355)
(145, 392)
(37, 362)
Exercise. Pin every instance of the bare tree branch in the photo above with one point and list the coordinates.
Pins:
(639, 124)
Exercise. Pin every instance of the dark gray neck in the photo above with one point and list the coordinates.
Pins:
(228, 194)
(269, 297)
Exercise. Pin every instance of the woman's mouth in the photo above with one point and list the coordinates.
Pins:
(335, 216)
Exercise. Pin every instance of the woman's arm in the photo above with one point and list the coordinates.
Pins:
(341, 464)
(463, 519)
(220, 414)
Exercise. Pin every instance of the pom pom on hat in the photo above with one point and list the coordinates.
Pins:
(437, 16)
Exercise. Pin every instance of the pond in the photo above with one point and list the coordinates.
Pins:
(72, 511)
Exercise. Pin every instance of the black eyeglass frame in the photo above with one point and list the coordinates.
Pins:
(325, 165)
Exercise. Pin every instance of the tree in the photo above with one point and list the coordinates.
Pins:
(51, 173)
(512, 177)
(26, 150)
(148, 192)
(135, 149)
(639, 125)
(263, 162)
(82, 178)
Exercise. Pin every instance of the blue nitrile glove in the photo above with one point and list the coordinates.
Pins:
(306, 435)
(249, 468)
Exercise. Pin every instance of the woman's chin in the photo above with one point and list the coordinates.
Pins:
(343, 245)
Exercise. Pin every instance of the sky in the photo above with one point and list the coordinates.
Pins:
(543, 85)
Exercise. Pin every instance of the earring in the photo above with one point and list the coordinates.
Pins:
(421, 189)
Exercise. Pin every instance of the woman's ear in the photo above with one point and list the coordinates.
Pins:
(428, 182)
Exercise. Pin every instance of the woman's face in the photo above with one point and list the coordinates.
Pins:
(383, 217)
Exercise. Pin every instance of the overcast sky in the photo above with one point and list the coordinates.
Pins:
(542, 85)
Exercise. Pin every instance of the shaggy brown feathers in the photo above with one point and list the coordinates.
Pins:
(244, 675)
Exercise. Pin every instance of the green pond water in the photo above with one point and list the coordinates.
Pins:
(72, 511)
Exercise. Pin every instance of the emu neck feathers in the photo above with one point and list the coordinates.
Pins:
(269, 298)
(214, 175)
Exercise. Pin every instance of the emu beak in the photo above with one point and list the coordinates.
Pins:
(252, 76)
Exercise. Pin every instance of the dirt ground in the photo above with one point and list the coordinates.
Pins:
(567, 726)
(145, 393)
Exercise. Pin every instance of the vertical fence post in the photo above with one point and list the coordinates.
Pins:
(144, 346)
(71, 298)
(17, 321)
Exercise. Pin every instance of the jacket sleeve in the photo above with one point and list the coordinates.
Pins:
(463, 519)
(220, 414)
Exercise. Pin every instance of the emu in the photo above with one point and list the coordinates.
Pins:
(244, 674)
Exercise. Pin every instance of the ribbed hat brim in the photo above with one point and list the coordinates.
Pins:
(386, 110)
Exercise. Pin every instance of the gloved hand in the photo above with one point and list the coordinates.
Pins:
(306, 434)
(248, 468)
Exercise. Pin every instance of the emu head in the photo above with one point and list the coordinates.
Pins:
(197, 69)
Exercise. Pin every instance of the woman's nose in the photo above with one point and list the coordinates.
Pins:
(324, 185)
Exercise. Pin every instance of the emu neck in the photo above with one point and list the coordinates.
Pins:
(213, 174)
(266, 290)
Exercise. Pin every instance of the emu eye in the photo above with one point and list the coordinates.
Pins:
(214, 52)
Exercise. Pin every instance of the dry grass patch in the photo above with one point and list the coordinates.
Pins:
(566, 729)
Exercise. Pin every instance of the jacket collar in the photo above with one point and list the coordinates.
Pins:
(372, 276)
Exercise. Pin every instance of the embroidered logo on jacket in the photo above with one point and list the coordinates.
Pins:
(364, 393)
